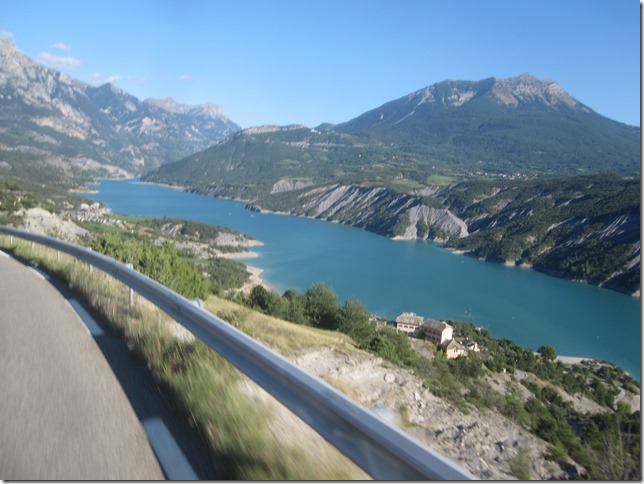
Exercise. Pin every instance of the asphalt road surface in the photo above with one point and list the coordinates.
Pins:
(63, 412)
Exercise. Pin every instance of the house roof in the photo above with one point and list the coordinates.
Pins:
(439, 325)
(409, 318)
(453, 344)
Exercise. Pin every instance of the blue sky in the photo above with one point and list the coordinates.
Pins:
(305, 61)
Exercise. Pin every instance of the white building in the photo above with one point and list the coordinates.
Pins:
(408, 323)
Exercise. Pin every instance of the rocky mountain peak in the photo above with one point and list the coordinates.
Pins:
(526, 88)
(512, 91)
(109, 87)
(6, 47)
(213, 110)
(103, 124)
(29, 79)
(172, 106)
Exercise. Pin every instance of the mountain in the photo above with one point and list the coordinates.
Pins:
(259, 157)
(515, 125)
(52, 119)
(510, 170)
(518, 127)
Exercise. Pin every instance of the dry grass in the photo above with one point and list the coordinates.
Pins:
(286, 338)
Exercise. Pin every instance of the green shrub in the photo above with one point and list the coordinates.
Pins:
(162, 264)
(520, 465)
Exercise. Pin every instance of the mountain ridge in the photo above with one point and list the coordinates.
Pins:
(407, 168)
(503, 125)
(174, 106)
(517, 127)
(512, 91)
(64, 119)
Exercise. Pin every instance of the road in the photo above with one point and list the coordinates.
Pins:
(64, 413)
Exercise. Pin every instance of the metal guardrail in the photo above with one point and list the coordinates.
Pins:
(380, 449)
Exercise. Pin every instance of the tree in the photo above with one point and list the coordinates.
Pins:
(547, 352)
(393, 346)
(259, 298)
(290, 294)
(353, 319)
(466, 367)
(269, 302)
(321, 306)
(295, 310)
(162, 264)
(383, 347)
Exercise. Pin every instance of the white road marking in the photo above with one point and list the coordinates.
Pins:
(174, 463)
(80, 320)
(40, 276)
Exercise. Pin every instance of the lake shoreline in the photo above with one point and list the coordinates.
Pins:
(543, 270)
(255, 279)
(511, 264)
(418, 277)
(574, 360)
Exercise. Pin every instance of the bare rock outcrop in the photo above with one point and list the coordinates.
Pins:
(377, 209)
(287, 185)
(438, 219)
(483, 442)
(41, 221)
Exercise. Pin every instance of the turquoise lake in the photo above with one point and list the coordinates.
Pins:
(390, 277)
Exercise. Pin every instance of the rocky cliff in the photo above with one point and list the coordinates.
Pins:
(376, 209)
(582, 228)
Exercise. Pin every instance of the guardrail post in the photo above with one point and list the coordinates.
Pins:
(57, 255)
(32, 246)
(131, 291)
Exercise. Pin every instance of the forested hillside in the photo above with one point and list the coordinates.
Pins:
(584, 228)
(514, 125)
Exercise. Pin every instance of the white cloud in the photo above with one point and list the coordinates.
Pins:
(6, 35)
(98, 79)
(185, 77)
(57, 61)
(61, 46)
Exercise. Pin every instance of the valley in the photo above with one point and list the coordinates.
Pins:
(409, 275)
(507, 170)
(514, 172)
